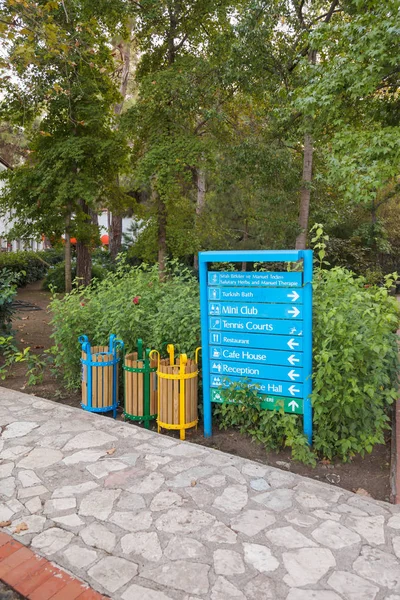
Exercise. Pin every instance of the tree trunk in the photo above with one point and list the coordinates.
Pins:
(67, 255)
(115, 229)
(115, 233)
(200, 203)
(161, 231)
(305, 196)
(83, 253)
(83, 263)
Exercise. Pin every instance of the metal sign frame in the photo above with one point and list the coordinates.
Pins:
(263, 256)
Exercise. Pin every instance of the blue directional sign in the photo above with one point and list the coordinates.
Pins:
(270, 357)
(259, 311)
(254, 340)
(240, 279)
(280, 327)
(257, 328)
(231, 294)
(274, 388)
(261, 371)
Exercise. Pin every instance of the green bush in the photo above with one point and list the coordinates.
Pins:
(355, 362)
(274, 429)
(133, 303)
(29, 265)
(354, 374)
(355, 350)
(52, 256)
(55, 278)
(8, 291)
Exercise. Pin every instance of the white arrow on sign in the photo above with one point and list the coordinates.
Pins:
(292, 374)
(294, 296)
(293, 405)
(293, 390)
(292, 344)
(295, 311)
(292, 359)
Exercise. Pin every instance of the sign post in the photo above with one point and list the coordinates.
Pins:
(258, 326)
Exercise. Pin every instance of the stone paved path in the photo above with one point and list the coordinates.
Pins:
(139, 516)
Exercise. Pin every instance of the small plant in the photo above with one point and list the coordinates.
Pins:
(10, 354)
(274, 429)
(8, 290)
(36, 367)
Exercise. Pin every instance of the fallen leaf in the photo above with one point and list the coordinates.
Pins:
(111, 451)
(21, 527)
(5, 523)
(362, 492)
(325, 461)
(24, 318)
(38, 346)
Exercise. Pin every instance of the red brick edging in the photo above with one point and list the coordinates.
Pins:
(36, 578)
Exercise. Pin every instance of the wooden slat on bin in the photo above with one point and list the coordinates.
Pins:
(175, 416)
(110, 380)
(162, 384)
(94, 383)
(107, 401)
(153, 388)
(84, 380)
(188, 392)
(196, 392)
(140, 389)
(134, 388)
(168, 407)
(100, 381)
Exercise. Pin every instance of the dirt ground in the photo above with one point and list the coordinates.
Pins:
(371, 474)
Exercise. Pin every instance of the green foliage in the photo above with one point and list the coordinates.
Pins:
(9, 354)
(8, 291)
(55, 278)
(355, 362)
(133, 303)
(28, 266)
(352, 95)
(355, 359)
(272, 428)
(62, 66)
(52, 256)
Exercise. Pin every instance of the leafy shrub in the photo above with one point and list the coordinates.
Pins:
(355, 362)
(274, 429)
(8, 290)
(55, 278)
(355, 350)
(52, 256)
(133, 303)
(355, 358)
(29, 265)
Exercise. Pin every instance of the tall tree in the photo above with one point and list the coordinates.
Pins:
(63, 68)
(180, 91)
(122, 52)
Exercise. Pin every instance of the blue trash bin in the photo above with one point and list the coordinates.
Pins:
(100, 375)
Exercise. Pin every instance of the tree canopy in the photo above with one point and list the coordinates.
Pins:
(241, 122)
